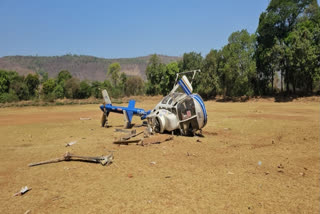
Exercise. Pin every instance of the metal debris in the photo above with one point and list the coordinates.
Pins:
(155, 139)
(128, 136)
(104, 160)
(22, 191)
(71, 143)
(126, 142)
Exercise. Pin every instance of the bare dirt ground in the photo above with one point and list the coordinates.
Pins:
(256, 157)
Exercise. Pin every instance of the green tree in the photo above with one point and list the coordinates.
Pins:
(85, 90)
(58, 91)
(302, 58)
(155, 71)
(8, 97)
(63, 76)
(304, 50)
(123, 83)
(273, 43)
(61, 80)
(21, 90)
(208, 81)
(18, 85)
(32, 81)
(106, 85)
(134, 86)
(191, 61)
(72, 88)
(168, 78)
(96, 89)
(4, 82)
(113, 71)
(237, 66)
(48, 86)
(14, 76)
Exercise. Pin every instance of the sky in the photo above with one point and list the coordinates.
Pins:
(120, 28)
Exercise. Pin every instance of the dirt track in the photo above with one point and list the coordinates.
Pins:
(256, 157)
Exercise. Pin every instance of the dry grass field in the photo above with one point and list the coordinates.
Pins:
(255, 157)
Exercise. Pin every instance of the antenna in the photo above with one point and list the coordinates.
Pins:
(186, 72)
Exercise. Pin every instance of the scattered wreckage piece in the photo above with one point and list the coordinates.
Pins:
(127, 137)
(156, 139)
(71, 143)
(148, 139)
(104, 160)
(22, 191)
(126, 142)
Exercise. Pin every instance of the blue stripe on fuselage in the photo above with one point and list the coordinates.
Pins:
(199, 100)
(184, 87)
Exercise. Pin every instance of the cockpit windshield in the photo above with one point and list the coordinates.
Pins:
(186, 109)
(171, 97)
(165, 100)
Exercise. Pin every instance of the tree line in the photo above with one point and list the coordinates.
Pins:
(284, 50)
(15, 87)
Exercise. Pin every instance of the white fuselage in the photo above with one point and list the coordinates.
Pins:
(178, 111)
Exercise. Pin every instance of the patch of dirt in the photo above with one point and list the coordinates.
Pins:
(44, 117)
(271, 116)
(262, 162)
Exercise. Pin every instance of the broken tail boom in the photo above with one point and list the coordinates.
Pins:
(128, 112)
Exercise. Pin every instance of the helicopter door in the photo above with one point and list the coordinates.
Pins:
(186, 109)
(187, 115)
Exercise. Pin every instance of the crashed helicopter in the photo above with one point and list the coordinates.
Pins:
(183, 113)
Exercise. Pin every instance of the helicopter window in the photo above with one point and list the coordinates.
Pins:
(170, 101)
(176, 95)
(186, 109)
(165, 100)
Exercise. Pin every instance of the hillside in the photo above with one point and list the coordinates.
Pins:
(82, 67)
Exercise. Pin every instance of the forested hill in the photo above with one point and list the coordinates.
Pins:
(82, 67)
